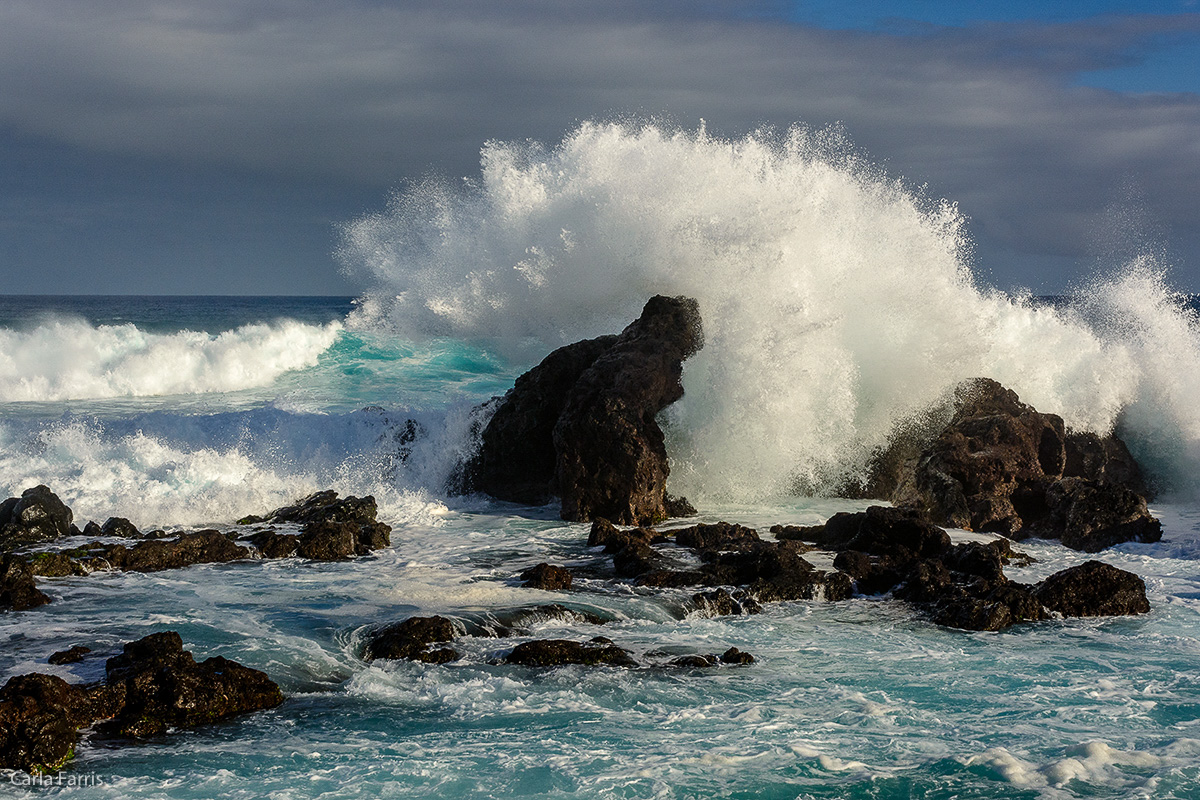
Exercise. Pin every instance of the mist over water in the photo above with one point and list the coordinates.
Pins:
(837, 301)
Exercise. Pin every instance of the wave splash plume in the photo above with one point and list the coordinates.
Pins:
(837, 302)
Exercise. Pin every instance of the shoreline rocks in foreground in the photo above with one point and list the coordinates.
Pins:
(581, 424)
(152, 686)
(330, 529)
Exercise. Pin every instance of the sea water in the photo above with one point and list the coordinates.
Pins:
(838, 305)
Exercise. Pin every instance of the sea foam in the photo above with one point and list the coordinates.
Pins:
(837, 301)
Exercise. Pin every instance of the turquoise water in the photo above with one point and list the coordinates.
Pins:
(855, 699)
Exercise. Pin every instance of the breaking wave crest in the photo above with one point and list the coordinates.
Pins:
(837, 302)
(64, 359)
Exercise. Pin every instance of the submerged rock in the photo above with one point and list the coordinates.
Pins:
(410, 640)
(582, 423)
(558, 652)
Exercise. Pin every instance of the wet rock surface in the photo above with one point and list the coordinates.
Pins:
(152, 686)
(162, 686)
(18, 592)
(581, 425)
(1093, 589)
(71, 655)
(1001, 466)
(559, 652)
(37, 516)
(331, 529)
(547, 577)
(411, 640)
(962, 585)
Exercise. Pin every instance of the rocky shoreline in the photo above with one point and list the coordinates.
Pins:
(581, 426)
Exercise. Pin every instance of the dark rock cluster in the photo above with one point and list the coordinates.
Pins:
(331, 529)
(581, 424)
(1001, 466)
(154, 685)
(880, 550)
(428, 640)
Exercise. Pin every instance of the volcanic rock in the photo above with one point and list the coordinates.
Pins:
(547, 577)
(36, 516)
(517, 460)
(1093, 589)
(71, 656)
(1001, 466)
(18, 592)
(410, 640)
(119, 526)
(557, 652)
(331, 529)
(152, 686)
(39, 717)
(582, 423)
(163, 687)
(199, 547)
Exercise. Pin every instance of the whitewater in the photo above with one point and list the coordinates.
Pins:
(839, 306)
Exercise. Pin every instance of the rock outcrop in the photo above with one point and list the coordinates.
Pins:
(152, 686)
(331, 529)
(730, 555)
(17, 589)
(547, 577)
(581, 425)
(160, 686)
(36, 516)
(1001, 466)
(1093, 589)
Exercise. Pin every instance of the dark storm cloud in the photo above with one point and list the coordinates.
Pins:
(373, 92)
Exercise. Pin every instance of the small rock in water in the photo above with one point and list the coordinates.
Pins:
(71, 656)
(1093, 589)
(558, 652)
(410, 640)
(547, 577)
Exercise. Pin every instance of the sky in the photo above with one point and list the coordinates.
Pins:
(216, 146)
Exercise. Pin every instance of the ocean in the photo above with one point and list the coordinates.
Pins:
(838, 305)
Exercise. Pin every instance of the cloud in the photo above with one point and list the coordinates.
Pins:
(373, 92)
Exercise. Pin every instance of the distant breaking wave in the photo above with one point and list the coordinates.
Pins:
(837, 302)
(65, 359)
